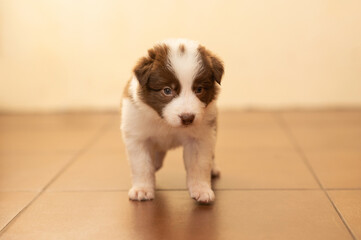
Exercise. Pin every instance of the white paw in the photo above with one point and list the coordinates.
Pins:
(202, 194)
(141, 194)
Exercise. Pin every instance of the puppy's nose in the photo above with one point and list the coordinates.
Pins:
(187, 118)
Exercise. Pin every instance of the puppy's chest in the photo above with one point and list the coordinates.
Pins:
(165, 142)
(166, 138)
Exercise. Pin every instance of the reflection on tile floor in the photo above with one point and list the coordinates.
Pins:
(285, 175)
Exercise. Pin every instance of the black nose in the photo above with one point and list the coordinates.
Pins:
(187, 118)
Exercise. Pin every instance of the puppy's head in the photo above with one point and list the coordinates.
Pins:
(179, 79)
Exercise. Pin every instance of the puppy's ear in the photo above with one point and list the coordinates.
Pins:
(156, 56)
(144, 66)
(217, 68)
(213, 62)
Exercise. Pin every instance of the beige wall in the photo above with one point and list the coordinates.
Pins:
(65, 54)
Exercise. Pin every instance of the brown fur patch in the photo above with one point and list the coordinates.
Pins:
(213, 63)
(154, 75)
(212, 72)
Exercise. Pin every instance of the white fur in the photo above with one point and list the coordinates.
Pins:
(148, 137)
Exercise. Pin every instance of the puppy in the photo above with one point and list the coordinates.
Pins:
(169, 102)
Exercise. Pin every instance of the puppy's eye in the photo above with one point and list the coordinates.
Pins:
(167, 91)
(199, 90)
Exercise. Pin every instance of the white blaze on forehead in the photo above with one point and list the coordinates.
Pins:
(186, 64)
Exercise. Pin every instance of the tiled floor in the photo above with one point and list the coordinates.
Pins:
(285, 175)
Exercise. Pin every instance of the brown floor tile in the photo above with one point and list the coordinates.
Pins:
(173, 215)
(331, 141)
(349, 204)
(29, 172)
(324, 118)
(247, 139)
(11, 203)
(326, 130)
(109, 142)
(103, 166)
(336, 138)
(251, 119)
(95, 171)
(278, 169)
(34, 133)
(52, 141)
(251, 131)
(337, 168)
(41, 122)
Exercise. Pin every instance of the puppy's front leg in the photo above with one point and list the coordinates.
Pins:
(198, 162)
(143, 171)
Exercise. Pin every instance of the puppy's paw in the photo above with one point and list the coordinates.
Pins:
(216, 172)
(141, 194)
(202, 194)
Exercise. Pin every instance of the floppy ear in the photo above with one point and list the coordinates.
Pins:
(213, 62)
(147, 64)
(217, 68)
(143, 67)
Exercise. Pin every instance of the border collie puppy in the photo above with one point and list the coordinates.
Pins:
(169, 102)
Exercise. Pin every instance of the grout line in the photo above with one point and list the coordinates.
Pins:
(297, 148)
(283, 124)
(267, 189)
(184, 189)
(92, 141)
(20, 191)
(342, 189)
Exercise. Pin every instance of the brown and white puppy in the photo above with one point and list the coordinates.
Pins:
(170, 102)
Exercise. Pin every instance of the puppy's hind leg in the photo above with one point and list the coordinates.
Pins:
(216, 172)
(158, 157)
